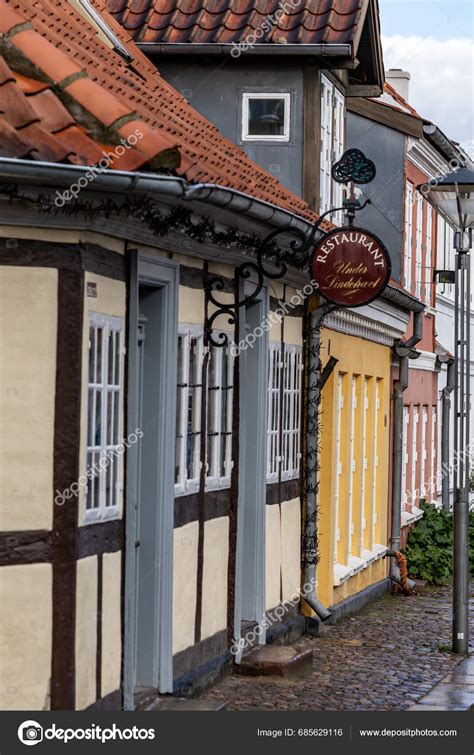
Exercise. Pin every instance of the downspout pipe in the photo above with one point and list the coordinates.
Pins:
(404, 351)
(446, 411)
(312, 418)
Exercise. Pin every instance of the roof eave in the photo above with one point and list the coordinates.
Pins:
(320, 50)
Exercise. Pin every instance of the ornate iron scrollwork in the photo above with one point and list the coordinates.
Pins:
(353, 166)
(244, 272)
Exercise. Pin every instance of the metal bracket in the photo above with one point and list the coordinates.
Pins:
(354, 167)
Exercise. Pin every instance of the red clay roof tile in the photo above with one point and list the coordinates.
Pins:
(81, 148)
(50, 110)
(27, 85)
(5, 72)
(12, 143)
(15, 106)
(47, 147)
(225, 21)
(103, 105)
(9, 18)
(49, 59)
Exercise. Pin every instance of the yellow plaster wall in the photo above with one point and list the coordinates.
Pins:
(28, 340)
(57, 235)
(369, 576)
(25, 636)
(361, 358)
(185, 549)
(293, 330)
(214, 588)
(111, 622)
(290, 547)
(272, 556)
(86, 632)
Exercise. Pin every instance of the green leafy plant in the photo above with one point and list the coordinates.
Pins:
(429, 550)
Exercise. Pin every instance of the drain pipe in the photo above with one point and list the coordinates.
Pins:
(446, 411)
(404, 351)
(314, 377)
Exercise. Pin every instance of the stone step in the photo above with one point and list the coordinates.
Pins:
(285, 662)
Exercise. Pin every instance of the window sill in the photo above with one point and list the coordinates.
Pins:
(409, 517)
(343, 572)
(96, 517)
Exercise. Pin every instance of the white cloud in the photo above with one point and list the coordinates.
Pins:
(441, 85)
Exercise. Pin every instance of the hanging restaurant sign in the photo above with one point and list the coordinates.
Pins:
(351, 267)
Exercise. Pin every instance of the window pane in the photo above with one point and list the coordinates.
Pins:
(90, 482)
(117, 357)
(179, 410)
(96, 482)
(110, 417)
(98, 363)
(111, 357)
(266, 117)
(91, 355)
(98, 418)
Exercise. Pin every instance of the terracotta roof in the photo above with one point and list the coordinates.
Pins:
(65, 96)
(391, 98)
(227, 21)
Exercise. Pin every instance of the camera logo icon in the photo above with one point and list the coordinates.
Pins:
(30, 733)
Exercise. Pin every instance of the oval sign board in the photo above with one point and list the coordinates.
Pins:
(351, 267)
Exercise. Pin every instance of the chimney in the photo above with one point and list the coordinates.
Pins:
(400, 80)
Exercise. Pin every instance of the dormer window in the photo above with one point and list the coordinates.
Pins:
(266, 117)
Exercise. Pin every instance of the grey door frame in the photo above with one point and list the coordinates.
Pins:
(251, 520)
(163, 274)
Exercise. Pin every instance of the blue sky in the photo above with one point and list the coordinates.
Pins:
(440, 19)
(434, 41)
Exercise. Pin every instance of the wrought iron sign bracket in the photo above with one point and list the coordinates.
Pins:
(353, 167)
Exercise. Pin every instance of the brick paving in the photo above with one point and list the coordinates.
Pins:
(385, 658)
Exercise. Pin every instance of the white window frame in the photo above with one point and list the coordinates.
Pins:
(418, 244)
(434, 423)
(365, 410)
(353, 464)
(332, 117)
(291, 431)
(284, 412)
(408, 235)
(107, 324)
(406, 422)
(424, 453)
(428, 259)
(185, 485)
(375, 460)
(246, 97)
(275, 376)
(214, 480)
(339, 464)
(414, 452)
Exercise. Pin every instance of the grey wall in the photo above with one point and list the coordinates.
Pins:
(386, 147)
(215, 89)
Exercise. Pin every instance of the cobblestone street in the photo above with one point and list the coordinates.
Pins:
(385, 658)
